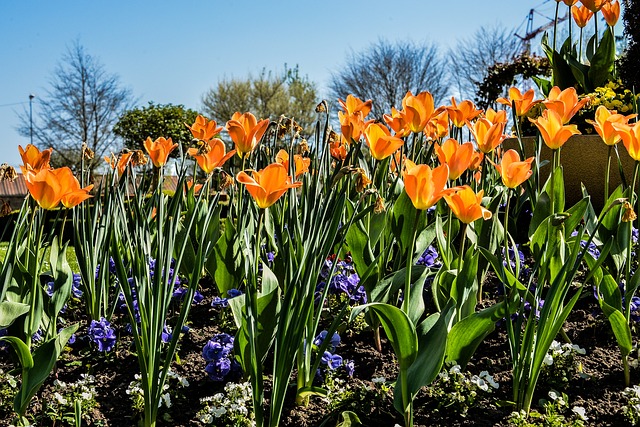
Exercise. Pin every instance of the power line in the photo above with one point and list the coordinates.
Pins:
(14, 103)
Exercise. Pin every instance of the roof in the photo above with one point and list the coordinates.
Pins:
(18, 188)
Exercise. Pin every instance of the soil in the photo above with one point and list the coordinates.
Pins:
(599, 389)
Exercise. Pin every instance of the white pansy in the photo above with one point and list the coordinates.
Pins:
(581, 412)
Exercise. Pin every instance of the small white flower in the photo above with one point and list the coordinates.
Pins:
(61, 400)
(548, 360)
(489, 378)
(378, 380)
(455, 370)
(579, 350)
(580, 411)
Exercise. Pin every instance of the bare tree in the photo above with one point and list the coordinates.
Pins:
(385, 71)
(472, 57)
(81, 106)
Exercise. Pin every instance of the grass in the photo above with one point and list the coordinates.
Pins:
(71, 256)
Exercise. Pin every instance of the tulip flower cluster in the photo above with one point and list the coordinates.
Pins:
(49, 187)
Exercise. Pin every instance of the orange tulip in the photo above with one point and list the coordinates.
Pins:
(553, 131)
(301, 164)
(521, 102)
(611, 12)
(465, 111)
(44, 187)
(196, 187)
(466, 205)
(568, 2)
(476, 160)
(594, 5)
(380, 141)
(204, 129)
(418, 110)
(438, 126)
(352, 125)
(487, 135)
(457, 156)
(425, 186)
(34, 160)
(630, 135)
(121, 162)
(603, 124)
(212, 157)
(354, 105)
(72, 194)
(267, 185)
(513, 171)
(339, 148)
(397, 121)
(246, 132)
(581, 15)
(496, 116)
(159, 150)
(565, 102)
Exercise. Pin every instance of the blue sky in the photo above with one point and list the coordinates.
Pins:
(173, 52)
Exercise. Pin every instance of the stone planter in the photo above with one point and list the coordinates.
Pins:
(584, 160)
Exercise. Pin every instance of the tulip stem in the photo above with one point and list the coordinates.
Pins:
(407, 282)
(607, 175)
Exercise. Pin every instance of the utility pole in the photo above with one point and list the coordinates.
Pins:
(31, 96)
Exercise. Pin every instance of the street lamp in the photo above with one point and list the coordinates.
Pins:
(31, 96)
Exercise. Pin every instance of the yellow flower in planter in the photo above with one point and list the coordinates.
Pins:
(603, 124)
(268, 185)
(553, 131)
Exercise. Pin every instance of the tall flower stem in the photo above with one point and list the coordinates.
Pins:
(627, 309)
(407, 282)
(252, 329)
(607, 174)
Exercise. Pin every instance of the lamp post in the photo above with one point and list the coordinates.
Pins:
(31, 96)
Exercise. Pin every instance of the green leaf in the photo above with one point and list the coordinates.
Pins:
(403, 221)
(225, 266)
(432, 332)
(465, 286)
(603, 60)
(10, 311)
(466, 335)
(358, 243)
(399, 329)
(62, 278)
(44, 358)
(349, 419)
(619, 326)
